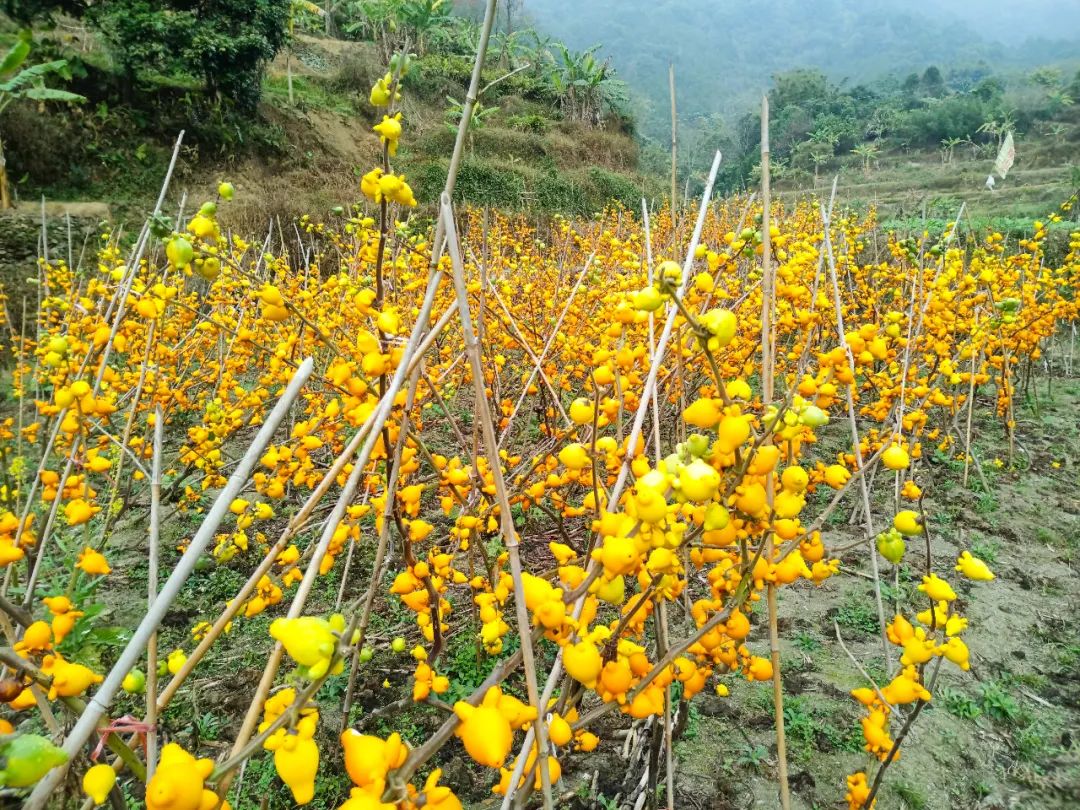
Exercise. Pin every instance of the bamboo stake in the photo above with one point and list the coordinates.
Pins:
(348, 493)
(674, 143)
(652, 327)
(119, 302)
(669, 753)
(506, 520)
(857, 450)
(380, 557)
(102, 699)
(294, 526)
(151, 579)
(635, 435)
(543, 354)
(976, 357)
(768, 292)
(665, 336)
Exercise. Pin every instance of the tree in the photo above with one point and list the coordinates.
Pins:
(28, 12)
(226, 43)
(18, 82)
(989, 90)
(932, 82)
(998, 129)
(910, 86)
(480, 115)
(812, 153)
(803, 88)
(231, 42)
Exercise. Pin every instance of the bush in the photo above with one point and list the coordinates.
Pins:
(529, 122)
(953, 117)
(608, 186)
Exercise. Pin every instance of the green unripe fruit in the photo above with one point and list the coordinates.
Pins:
(891, 546)
(179, 252)
(27, 758)
(134, 682)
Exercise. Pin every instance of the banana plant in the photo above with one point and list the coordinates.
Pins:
(18, 82)
(481, 112)
(296, 8)
(583, 82)
(866, 151)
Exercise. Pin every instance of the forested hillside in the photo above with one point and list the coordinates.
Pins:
(725, 52)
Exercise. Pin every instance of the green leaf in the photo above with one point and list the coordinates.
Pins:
(109, 636)
(49, 94)
(32, 75)
(14, 58)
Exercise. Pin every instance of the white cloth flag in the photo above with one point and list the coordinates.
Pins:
(1006, 156)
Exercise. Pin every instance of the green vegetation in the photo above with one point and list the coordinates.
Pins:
(551, 133)
(27, 83)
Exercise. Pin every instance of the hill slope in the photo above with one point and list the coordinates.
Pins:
(306, 156)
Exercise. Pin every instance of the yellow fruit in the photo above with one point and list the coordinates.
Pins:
(179, 252)
(559, 731)
(648, 299)
(98, 781)
(177, 783)
(612, 591)
(581, 411)
(484, 731)
(575, 456)
(837, 475)
(794, 479)
(297, 766)
(733, 432)
(702, 413)
(716, 517)
(973, 568)
(618, 555)
(670, 272)
(722, 325)
(907, 522)
(698, 481)
(895, 457)
(583, 662)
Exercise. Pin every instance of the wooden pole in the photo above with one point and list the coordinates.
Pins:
(674, 141)
(768, 291)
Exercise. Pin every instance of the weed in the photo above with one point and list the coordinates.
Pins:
(1033, 742)
(693, 722)
(910, 795)
(985, 549)
(207, 726)
(857, 613)
(798, 720)
(999, 705)
(807, 642)
(959, 704)
(752, 756)
(1047, 537)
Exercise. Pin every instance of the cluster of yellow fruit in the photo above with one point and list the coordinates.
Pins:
(936, 636)
(706, 507)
